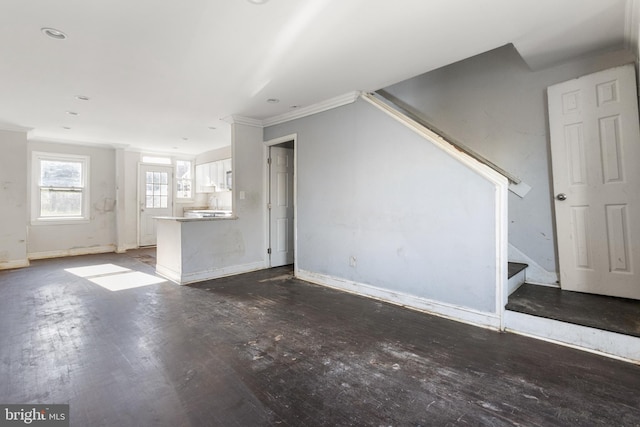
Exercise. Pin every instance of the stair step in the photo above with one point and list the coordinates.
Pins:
(515, 268)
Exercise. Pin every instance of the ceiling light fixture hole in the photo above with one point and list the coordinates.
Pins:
(273, 100)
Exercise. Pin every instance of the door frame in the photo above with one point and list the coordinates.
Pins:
(139, 196)
(266, 179)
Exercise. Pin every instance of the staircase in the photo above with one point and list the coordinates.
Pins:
(600, 324)
(516, 276)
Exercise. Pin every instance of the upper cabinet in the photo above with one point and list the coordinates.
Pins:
(213, 176)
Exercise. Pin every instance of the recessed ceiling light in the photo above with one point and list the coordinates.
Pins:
(66, 127)
(175, 148)
(212, 127)
(258, 1)
(72, 113)
(273, 100)
(82, 98)
(185, 139)
(53, 33)
(293, 107)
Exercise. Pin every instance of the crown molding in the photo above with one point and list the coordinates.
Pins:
(241, 120)
(338, 101)
(14, 128)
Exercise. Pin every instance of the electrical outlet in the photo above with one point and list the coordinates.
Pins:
(352, 261)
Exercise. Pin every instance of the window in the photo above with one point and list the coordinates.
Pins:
(156, 160)
(157, 194)
(60, 187)
(184, 182)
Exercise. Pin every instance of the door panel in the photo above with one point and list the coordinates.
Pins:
(595, 149)
(282, 210)
(155, 198)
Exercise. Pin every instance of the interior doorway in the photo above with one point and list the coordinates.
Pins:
(595, 149)
(281, 197)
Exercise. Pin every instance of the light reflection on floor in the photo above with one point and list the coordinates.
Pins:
(115, 278)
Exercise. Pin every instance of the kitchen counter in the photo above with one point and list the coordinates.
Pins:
(190, 219)
(194, 249)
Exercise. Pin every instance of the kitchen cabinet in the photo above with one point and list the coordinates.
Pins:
(213, 176)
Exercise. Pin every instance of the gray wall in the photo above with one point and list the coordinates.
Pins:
(13, 199)
(417, 221)
(494, 104)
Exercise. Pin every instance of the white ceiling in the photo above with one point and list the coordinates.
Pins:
(158, 71)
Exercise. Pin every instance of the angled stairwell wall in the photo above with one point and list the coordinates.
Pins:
(384, 212)
(496, 105)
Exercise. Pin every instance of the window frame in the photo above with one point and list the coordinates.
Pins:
(36, 188)
(176, 193)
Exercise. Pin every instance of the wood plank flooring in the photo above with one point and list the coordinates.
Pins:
(266, 349)
(611, 314)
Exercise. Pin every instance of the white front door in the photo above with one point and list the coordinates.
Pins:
(281, 206)
(155, 198)
(595, 150)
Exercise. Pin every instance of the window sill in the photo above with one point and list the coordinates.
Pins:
(59, 221)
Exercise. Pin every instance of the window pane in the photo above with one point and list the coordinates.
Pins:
(149, 203)
(183, 169)
(163, 201)
(164, 178)
(60, 203)
(163, 190)
(60, 173)
(156, 201)
(160, 160)
(149, 177)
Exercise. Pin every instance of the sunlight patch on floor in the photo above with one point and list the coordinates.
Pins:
(115, 278)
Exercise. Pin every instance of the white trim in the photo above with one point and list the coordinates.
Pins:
(631, 22)
(267, 145)
(536, 275)
(449, 311)
(93, 143)
(501, 197)
(35, 188)
(72, 252)
(14, 128)
(241, 120)
(329, 104)
(16, 263)
(212, 273)
(605, 343)
(120, 249)
(319, 107)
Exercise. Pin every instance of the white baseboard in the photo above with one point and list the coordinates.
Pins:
(124, 248)
(214, 273)
(535, 274)
(449, 311)
(72, 252)
(605, 343)
(16, 263)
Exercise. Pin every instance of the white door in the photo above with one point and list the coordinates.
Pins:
(155, 199)
(281, 206)
(595, 150)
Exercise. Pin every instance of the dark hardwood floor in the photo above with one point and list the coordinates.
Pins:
(267, 349)
(619, 315)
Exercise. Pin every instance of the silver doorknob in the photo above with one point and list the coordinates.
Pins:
(561, 196)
